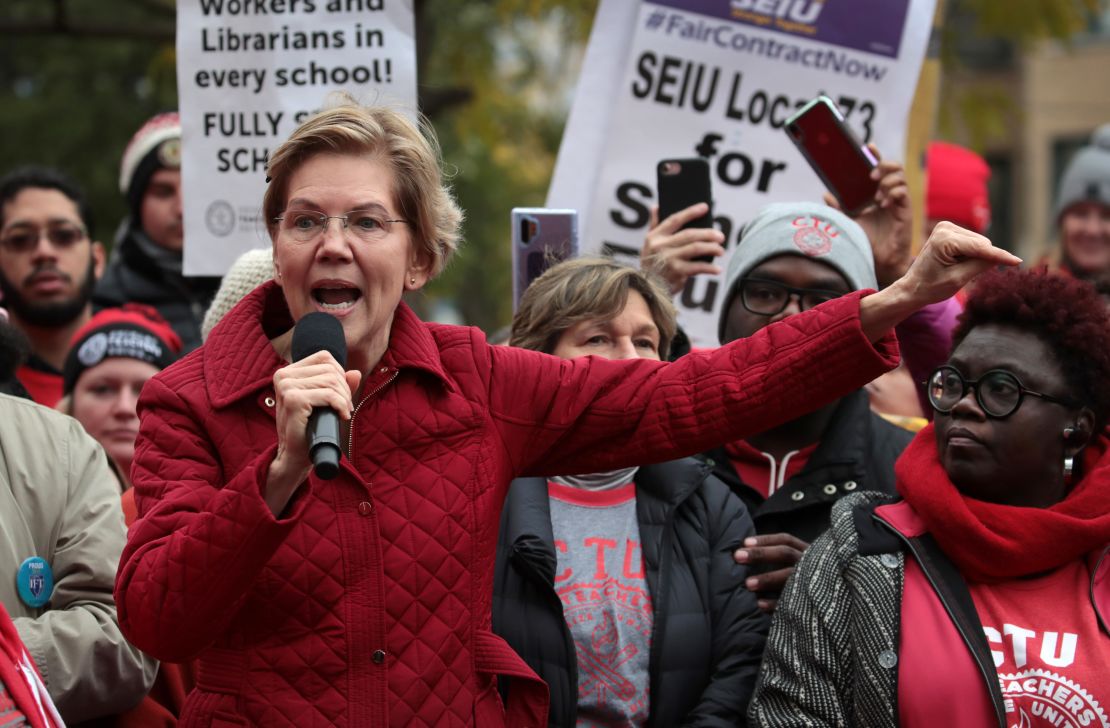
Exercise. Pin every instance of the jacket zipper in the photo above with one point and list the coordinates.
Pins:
(988, 675)
(351, 426)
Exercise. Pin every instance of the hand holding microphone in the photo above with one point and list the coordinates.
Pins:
(313, 395)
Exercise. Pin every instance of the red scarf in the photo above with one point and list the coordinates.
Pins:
(990, 542)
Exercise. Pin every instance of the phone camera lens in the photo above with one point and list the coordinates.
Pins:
(528, 229)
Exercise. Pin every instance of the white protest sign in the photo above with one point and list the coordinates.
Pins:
(248, 72)
(718, 79)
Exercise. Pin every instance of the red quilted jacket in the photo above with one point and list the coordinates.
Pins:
(368, 603)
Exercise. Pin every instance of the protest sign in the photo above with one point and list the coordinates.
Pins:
(250, 71)
(718, 79)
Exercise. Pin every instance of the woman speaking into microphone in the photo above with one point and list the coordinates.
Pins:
(364, 600)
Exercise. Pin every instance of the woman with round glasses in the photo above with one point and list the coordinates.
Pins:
(982, 596)
(365, 600)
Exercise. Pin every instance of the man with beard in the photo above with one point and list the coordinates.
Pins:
(146, 259)
(48, 267)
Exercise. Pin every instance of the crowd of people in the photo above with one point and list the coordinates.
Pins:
(886, 483)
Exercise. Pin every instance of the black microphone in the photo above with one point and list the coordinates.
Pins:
(318, 331)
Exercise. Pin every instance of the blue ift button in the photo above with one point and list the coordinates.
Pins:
(35, 581)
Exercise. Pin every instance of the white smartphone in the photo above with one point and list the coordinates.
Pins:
(541, 237)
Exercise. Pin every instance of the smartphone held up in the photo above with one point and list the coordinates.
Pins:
(840, 159)
(541, 238)
(681, 183)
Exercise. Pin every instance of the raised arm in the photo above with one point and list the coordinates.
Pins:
(949, 260)
(589, 415)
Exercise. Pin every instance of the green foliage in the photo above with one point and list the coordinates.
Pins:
(516, 58)
(1025, 21)
(496, 78)
(987, 37)
(73, 102)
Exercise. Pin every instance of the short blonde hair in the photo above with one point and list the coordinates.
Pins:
(585, 289)
(412, 153)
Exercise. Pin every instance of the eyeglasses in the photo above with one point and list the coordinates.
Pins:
(304, 226)
(998, 392)
(26, 239)
(768, 298)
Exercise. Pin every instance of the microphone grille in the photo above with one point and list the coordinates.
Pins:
(318, 331)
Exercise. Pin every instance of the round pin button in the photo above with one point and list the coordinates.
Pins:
(888, 659)
(890, 561)
(35, 581)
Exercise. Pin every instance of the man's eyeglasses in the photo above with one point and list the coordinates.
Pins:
(998, 392)
(768, 298)
(304, 226)
(25, 239)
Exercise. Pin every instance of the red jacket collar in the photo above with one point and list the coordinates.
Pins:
(239, 359)
(901, 516)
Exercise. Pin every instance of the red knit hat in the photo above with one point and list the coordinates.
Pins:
(132, 331)
(958, 186)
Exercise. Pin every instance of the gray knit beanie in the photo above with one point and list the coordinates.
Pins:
(806, 229)
(249, 271)
(1087, 176)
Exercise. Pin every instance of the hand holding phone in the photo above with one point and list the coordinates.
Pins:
(675, 252)
(682, 240)
(840, 159)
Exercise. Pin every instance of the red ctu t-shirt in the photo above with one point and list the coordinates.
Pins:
(1052, 658)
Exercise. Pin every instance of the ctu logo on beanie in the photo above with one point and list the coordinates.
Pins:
(814, 236)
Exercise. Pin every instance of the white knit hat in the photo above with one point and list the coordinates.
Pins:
(249, 271)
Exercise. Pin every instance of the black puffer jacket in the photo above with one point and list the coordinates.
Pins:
(857, 453)
(708, 633)
(133, 277)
